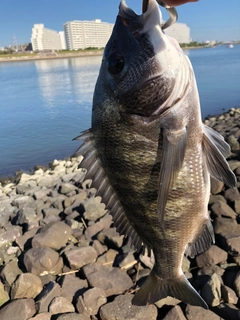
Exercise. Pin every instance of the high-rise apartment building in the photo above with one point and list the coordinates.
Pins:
(45, 39)
(180, 32)
(86, 34)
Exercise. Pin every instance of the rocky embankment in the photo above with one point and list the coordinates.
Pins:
(61, 258)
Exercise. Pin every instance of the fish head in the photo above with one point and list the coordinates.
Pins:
(141, 65)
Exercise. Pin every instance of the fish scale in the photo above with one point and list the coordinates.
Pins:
(149, 155)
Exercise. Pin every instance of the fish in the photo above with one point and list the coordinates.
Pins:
(149, 155)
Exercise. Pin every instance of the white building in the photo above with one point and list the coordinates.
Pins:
(45, 39)
(179, 31)
(86, 34)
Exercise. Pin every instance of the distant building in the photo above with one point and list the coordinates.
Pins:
(45, 39)
(63, 40)
(86, 34)
(179, 31)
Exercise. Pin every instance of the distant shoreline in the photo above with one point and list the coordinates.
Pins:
(56, 55)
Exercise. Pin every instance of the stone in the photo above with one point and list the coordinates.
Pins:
(112, 280)
(168, 301)
(50, 211)
(122, 309)
(226, 225)
(43, 300)
(40, 261)
(94, 229)
(228, 295)
(237, 284)
(211, 291)
(60, 305)
(215, 198)
(22, 308)
(227, 311)
(175, 314)
(7, 237)
(91, 301)
(198, 313)
(232, 141)
(232, 194)
(110, 238)
(221, 209)
(79, 257)
(94, 209)
(231, 243)
(72, 287)
(72, 316)
(26, 215)
(10, 271)
(216, 186)
(108, 257)
(27, 285)
(100, 249)
(22, 201)
(210, 270)
(54, 235)
(237, 206)
(42, 316)
(66, 188)
(4, 296)
(25, 241)
(212, 256)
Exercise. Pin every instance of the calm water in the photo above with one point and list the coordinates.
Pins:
(44, 104)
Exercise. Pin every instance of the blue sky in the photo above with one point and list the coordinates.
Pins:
(208, 19)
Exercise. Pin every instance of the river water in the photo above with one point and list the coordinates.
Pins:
(46, 103)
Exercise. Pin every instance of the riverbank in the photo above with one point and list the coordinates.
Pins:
(61, 258)
(61, 55)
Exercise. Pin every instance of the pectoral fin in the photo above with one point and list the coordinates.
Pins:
(215, 150)
(174, 146)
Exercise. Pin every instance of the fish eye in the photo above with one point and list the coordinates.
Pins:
(115, 63)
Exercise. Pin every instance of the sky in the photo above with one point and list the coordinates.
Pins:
(207, 19)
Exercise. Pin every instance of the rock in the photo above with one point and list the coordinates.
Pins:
(4, 297)
(216, 186)
(122, 309)
(7, 237)
(221, 209)
(112, 280)
(168, 301)
(231, 243)
(211, 291)
(212, 256)
(110, 238)
(108, 257)
(228, 295)
(227, 311)
(237, 206)
(79, 257)
(72, 287)
(198, 313)
(26, 215)
(232, 194)
(54, 235)
(237, 284)
(25, 241)
(66, 188)
(22, 201)
(232, 141)
(94, 229)
(99, 247)
(22, 308)
(91, 301)
(40, 261)
(210, 270)
(175, 314)
(51, 291)
(60, 305)
(226, 225)
(215, 198)
(73, 316)
(42, 316)
(10, 272)
(94, 209)
(27, 285)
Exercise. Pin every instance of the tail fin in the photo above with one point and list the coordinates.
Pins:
(155, 289)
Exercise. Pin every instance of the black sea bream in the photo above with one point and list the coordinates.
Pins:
(148, 153)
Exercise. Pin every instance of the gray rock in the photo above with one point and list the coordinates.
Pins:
(27, 285)
(122, 309)
(210, 270)
(72, 287)
(91, 301)
(221, 209)
(40, 261)
(227, 311)
(94, 229)
(24, 241)
(198, 313)
(10, 272)
(216, 186)
(94, 209)
(66, 188)
(237, 284)
(232, 194)
(50, 211)
(26, 215)
(22, 201)
(54, 235)
(175, 314)
(212, 256)
(215, 198)
(231, 243)
(7, 237)
(73, 316)
(43, 300)
(226, 225)
(110, 238)
(168, 301)
(108, 257)
(99, 247)
(22, 308)
(4, 297)
(24, 187)
(60, 305)
(79, 257)
(233, 143)
(237, 206)
(112, 280)
(211, 291)
(42, 316)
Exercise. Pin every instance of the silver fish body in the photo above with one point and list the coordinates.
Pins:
(148, 153)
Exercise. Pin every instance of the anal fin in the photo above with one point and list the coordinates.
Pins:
(203, 242)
